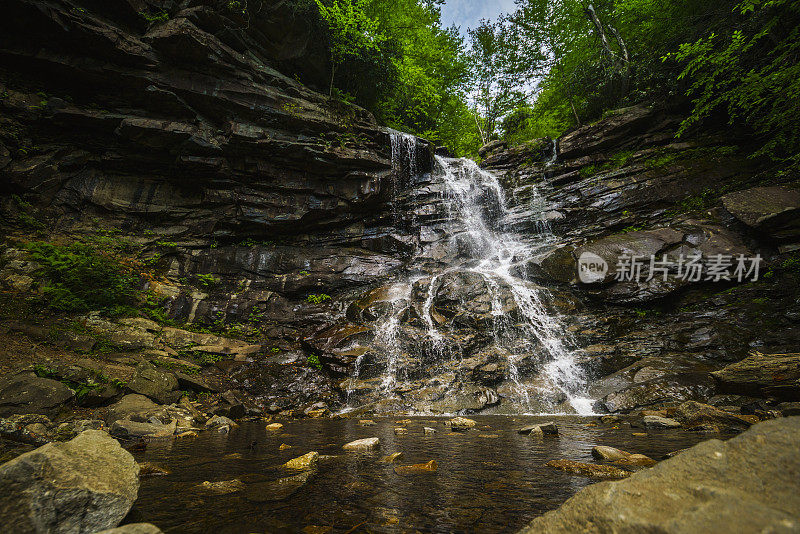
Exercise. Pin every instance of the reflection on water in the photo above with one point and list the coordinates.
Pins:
(489, 480)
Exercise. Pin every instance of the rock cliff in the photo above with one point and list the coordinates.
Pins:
(626, 186)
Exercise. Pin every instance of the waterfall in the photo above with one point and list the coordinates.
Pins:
(474, 228)
(497, 253)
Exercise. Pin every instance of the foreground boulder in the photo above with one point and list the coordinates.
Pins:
(85, 485)
(747, 484)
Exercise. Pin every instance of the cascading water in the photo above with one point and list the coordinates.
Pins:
(518, 323)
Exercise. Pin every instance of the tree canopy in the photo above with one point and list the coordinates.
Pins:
(552, 65)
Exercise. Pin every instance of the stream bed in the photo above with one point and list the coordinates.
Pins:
(489, 479)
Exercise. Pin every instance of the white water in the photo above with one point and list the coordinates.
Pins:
(498, 252)
(476, 206)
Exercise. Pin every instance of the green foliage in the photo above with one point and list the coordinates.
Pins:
(313, 361)
(417, 70)
(207, 281)
(739, 60)
(79, 278)
(317, 299)
(153, 18)
(44, 371)
(752, 72)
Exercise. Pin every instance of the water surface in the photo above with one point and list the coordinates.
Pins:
(490, 479)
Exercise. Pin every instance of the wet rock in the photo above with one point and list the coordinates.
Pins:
(307, 461)
(492, 146)
(155, 383)
(277, 490)
(365, 444)
(654, 421)
(417, 469)
(610, 454)
(695, 415)
(148, 469)
(773, 210)
(284, 446)
(26, 393)
(219, 421)
(745, 484)
(134, 528)
(659, 391)
(461, 424)
(81, 486)
(392, 458)
(223, 487)
(610, 419)
(367, 422)
(635, 460)
(605, 472)
(541, 428)
(759, 371)
(125, 429)
(274, 426)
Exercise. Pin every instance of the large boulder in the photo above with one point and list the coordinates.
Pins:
(27, 393)
(81, 486)
(747, 484)
(159, 385)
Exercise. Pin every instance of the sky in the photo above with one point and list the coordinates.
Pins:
(467, 13)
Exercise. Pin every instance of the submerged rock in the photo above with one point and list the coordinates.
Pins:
(746, 484)
(394, 457)
(605, 472)
(81, 486)
(277, 490)
(417, 469)
(223, 487)
(654, 421)
(365, 444)
(461, 424)
(307, 461)
(539, 429)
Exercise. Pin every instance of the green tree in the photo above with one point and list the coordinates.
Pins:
(353, 35)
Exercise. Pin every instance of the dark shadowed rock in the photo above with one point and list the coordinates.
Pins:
(746, 484)
(81, 486)
(774, 210)
(27, 393)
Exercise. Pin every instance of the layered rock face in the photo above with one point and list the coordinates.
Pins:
(352, 266)
(167, 124)
(625, 187)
